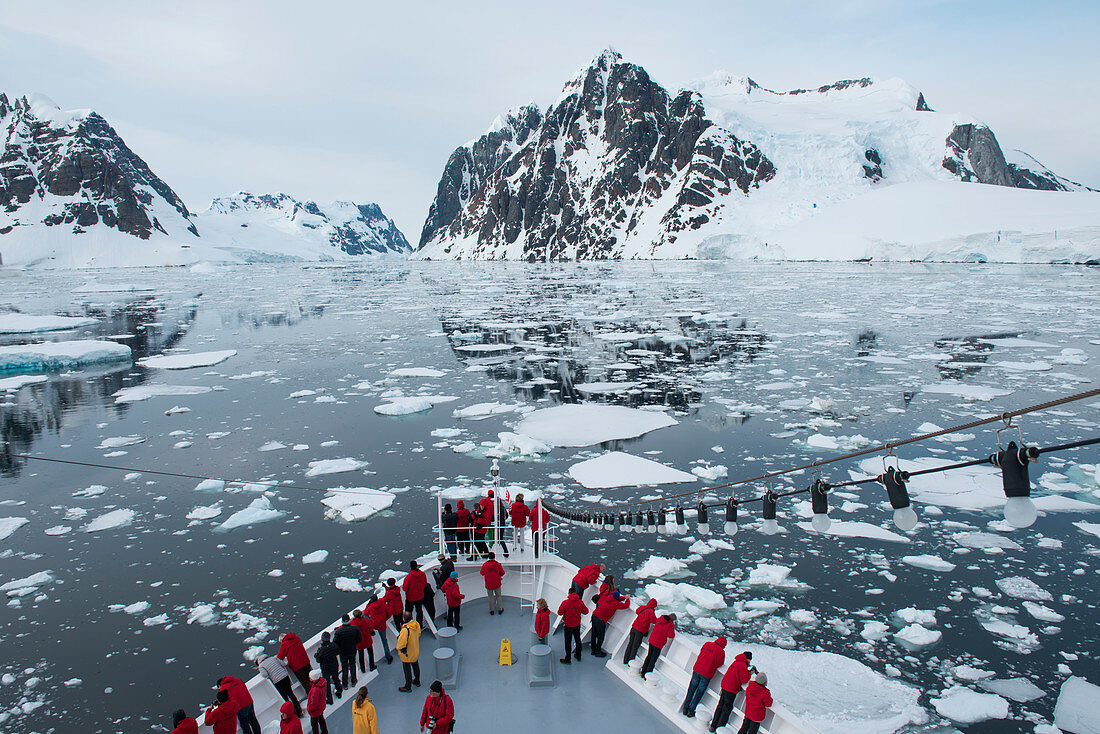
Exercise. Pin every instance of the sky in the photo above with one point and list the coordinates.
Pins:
(365, 101)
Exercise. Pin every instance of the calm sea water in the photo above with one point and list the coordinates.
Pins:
(735, 352)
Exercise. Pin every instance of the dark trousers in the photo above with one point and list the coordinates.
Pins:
(599, 629)
(287, 692)
(333, 678)
(633, 644)
(651, 659)
(503, 544)
(535, 541)
(317, 723)
(385, 646)
(749, 727)
(723, 710)
(418, 605)
(429, 606)
(302, 674)
(454, 615)
(575, 588)
(696, 689)
(572, 635)
(398, 620)
(450, 539)
(463, 541)
(246, 717)
(347, 669)
(480, 546)
(370, 654)
(412, 673)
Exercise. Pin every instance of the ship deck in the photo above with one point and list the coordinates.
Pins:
(495, 698)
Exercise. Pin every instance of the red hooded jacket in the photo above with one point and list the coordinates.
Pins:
(664, 629)
(293, 652)
(587, 576)
(413, 585)
(737, 674)
(481, 525)
(222, 718)
(493, 572)
(453, 593)
(608, 605)
(237, 690)
(189, 726)
(538, 523)
(392, 597)
(519, 514)
(486, 505)
(711, 657)
(288, 722)
(571, 610)
(646, 616)
(463, 514)
(379, 612)
(442, 708)
(364, 626)
(542, 622)
(318, 697)
(757, 700)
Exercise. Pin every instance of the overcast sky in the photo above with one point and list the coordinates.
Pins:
(365, 101)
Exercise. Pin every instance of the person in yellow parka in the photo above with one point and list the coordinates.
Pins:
(408, 647)
(363, 718)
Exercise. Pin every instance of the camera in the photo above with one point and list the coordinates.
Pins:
(431, 721)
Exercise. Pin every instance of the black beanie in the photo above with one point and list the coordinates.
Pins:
(436, 687)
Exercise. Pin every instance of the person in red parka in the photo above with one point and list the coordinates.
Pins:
(222, 716)
(316, 703)
(183, 724)
(570, 611)
(586, 577)
(366, 644)
(519, 512)
(288, 720)
(413, 586)
(392, 597)
(379, 613)
(542, 620)
(480, 523)
(757, 700)
(646, 616)
(710, 659)
(664, 630)
(538, 524)
(242, 699)
(493, 573)
(293, 653)
(601, 617)
(462, 522)
(439, 710)
(454, 601)
(736, 676)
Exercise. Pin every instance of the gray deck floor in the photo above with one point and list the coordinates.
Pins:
(494, 698)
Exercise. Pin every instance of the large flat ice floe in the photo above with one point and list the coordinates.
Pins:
(144, 392)
(353, 504)
(9, 525)
(334, 466)
(969, 488)
(836, 694)
(585, 425)
(617, 469)
(260, 510)
(110, 520)
(25, 323)
(187, 361)
(61, 355)
(850, 529)
(1078, 707)
(967, 706)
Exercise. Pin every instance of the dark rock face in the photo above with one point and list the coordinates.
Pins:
(615, 158)
(973, 154)
(922, 106)
(81, 159)
(872, 169)
(469, 166)
(835, 86)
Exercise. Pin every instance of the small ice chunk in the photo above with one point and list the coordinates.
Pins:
(343, 583)
(144, 392)
(205, 512)
(416, 372)
(187, 361)
(317, 556)
(873, 631)
(334, 466)
(970, 673)
(353, 504)
(918, 635)
(404, 406)
(967, 706)
(119, 441)
(771, 574)
(260, 510)
(912, 615)
(1042, 613)
(203, 614)
(110, 520)
(1016, 689)
(210, 485)
(657, 566)
(930, 563)
(711, 473)
(272, 446)
(1020, 588)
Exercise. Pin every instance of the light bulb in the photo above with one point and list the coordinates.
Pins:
(905, 519)
(770, 527)
(704, 528)
(653, 528)
(731, 528)
(821, 522)
(1020, 512)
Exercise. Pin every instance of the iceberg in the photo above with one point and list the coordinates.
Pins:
(25, 323)
(50, 356)
(260, 510)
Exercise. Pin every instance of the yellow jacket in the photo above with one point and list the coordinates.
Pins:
(363, 718)
(408, 642)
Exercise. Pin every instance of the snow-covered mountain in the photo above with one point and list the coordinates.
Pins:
(73, 194)
(618, 167)
(268, 226)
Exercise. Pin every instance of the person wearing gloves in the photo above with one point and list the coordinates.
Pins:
(664, 630)
(288, 719)
(757, 700)
(454, 601)
(439, 711)
(601, 617)
(570, 611)
(735, 678)
(319, 697)
(710, 659)
(644, 619)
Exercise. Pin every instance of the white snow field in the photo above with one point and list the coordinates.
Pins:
(187, 361)
(61, 355)
(574, 425)
(25, 323)
(618, 469)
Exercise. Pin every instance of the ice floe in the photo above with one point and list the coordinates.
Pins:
(1078, 706)
(1020, 588)
(658, 566)
(25, 323)
(967, 706)
(686, 599)
(576, 425)
(353, 504)
(1015, 689)
(334, 466)
(966, 392)
(618, 469)
(144, 392)
(188, 360)
(9, 525)
(259, 510)
(929, 563)
(773, 574)
(317, 556)
(416, 372)
(343, 583)
(61, 355)
(851, 529)
(11, 384)
(917, 635)
(110, 520)
(205, 512)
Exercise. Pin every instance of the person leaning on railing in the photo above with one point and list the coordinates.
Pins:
(757, 700)
(664, 630)
(449, 521)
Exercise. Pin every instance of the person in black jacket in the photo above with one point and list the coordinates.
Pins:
(328, 658)
(449, 520)
(441, 574)
(347, 638)
(429, 601)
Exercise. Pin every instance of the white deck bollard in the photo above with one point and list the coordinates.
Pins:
(447, 637)
(540, 671)
(446, 666)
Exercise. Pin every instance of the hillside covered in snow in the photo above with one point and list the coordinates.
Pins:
(73, 194)
(618, 167)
